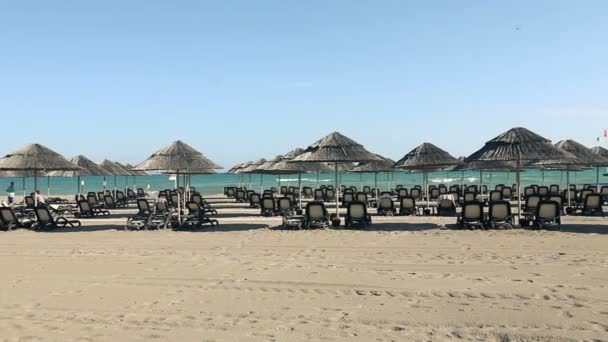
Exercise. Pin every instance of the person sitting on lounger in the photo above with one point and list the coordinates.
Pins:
(40, 199)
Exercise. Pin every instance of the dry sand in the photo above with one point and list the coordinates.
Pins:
(403, 279)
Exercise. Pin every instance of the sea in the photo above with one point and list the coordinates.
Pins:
(215, 183)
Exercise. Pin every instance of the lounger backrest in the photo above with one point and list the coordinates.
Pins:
(29, 202)
(84, 207)
(472, 188)
(495, 195)
(532, 201)
(367, 189)
(357, 210)
(240, 194)
(402, 192)
(586, 193)
(348, 191)
(507, 192)
(7, 215)
(291, 197)
(330, 193)
(348, 197)
(284, 203)
(140, 191)
(319, 194)
(315, 211)
(399, 187)
(130, 193)
(571, 195)
(472, 210)
(174, 198)
(92, 199)
(196, 198)
(543, 190)
(547, 211)
(443, 190)
(161, 206)
(529, 191)
(361, 197)
(283, 190)
(109, 200)
(454, 188)
(415, 192)
(557, 198)
(500, 210)
(435, 192)
(604, 191)
(499, 187)
(593, 201)
(445, 204)
(554, 188)
(268, 203)
(407, 202)
(44, 215)
(386, 203)
(255, 198)
(193, 207)
(470, 196)
(143, 205)
(230, 192)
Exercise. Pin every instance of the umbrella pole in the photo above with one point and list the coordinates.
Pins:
(542, 177)
(24, 192)
(426, 189)
(250, 181)
(360, 181)
(104, 184)
(317, 179)
(597, 179)
(262, 183)
(462, 181)
(48, 186)
(480, 181)
(337, 192)
(376, 184)
(491, 174)
(517, 176)
(35, 189)
(300, 190)
(568, 186)
(79, 191)
(388, 187)
(279, 183)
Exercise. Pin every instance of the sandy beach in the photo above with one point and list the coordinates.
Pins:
(403, 279)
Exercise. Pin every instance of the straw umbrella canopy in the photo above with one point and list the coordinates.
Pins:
(375, 167)
(284, 167)
(426, 157)
(337, 149)
(36, 158)
(585, 155)
(252, 167)
(237, 170)
(600, 150)
(177, 157)
(526, 149)
(89, 168)
(114, 169)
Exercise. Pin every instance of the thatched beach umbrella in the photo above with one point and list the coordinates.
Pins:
(114, 170)
(523, 147)
(36, 158)
(89, 168)
(252, 167)
(177, 157)
(585, 156)
(284, 167)
(337, 149)
(424, 158)
(375, 167)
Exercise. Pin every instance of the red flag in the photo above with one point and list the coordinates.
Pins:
(605, 133)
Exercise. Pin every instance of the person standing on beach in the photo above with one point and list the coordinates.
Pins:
(10, 191)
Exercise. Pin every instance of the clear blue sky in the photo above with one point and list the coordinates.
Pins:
(246, 79)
